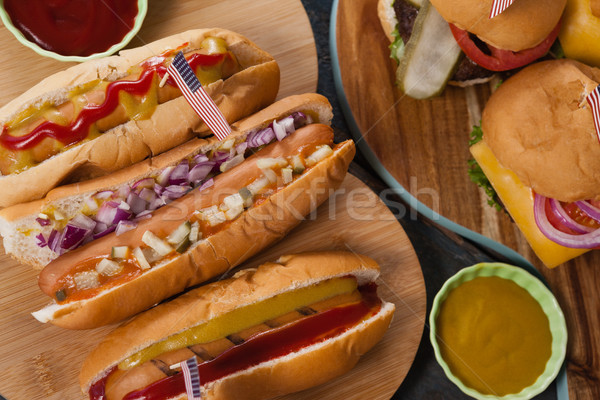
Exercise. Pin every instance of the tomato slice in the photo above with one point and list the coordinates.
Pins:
(579, 216)
(498, 59)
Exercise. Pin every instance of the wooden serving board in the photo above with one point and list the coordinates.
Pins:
(424, 146)
(43, 361)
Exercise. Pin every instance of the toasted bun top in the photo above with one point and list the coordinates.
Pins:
(201, 304)
(523, 25)
(539, 124)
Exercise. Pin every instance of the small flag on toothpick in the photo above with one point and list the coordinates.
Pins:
(195, 94)
(189, 368)
(498, 6)
(593, 100)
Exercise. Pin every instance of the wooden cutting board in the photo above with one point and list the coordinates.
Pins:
(42, 361)
(424, 146)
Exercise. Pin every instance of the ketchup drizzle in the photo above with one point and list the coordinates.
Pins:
(262, 347)
(78, 130)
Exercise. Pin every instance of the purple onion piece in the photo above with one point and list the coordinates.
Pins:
(123, 192)
(106, 194)
(163, 178)
(143, 215)
(279, 130)
(105, 232)
(41, 240)
(106, 213)
(179, 174)
(120, 216)
(136, 203)
(199, 172)
(124, 226)
(590, 210)
(100, 227)
(148, 195)
(143, 183)
(82, 221)
(206, 184)
(43, 222)
(158, 189)
(91, 203)
(200, 158)
(54, 241)
(241, 148)
(73, 236)
(153, 205)
(174, 192)
(300, 119)
(579, 241)
(288, 125)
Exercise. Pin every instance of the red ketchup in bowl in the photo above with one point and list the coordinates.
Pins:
(73, 27)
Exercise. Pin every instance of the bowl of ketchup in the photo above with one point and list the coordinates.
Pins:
(73, 30)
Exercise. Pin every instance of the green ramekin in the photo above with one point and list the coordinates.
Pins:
(139, 19)
(539, 292)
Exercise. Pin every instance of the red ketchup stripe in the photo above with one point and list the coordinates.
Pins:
(79, 129)
(263, 347)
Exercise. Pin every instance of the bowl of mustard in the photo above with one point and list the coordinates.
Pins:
(498, 332)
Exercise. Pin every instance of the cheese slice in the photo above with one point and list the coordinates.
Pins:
(518, 200)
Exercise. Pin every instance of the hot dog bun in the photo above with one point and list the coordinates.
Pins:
(254, 229)
(171, 123)
(18, 225)
(299, 370)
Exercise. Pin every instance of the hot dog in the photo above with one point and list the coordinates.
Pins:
(106, 114)
(36, 233)
(212, 228)
(283, 327)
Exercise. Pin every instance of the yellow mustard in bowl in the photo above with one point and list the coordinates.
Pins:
(494, 335)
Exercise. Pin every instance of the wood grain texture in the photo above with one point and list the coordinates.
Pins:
(42, 361)
(424, 145)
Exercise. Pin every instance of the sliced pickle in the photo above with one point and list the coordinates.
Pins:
(430, 58)
(180, 234)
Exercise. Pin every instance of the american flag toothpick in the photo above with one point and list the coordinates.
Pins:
(498, 6)
(593, 100)
(189, 368)
(197, 97)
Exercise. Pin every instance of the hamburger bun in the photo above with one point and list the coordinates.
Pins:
(523, 25)
(387, 17)
(539, 125)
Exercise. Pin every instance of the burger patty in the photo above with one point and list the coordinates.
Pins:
(406, 14)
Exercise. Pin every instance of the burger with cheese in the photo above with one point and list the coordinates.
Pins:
(429, 39)
(541, 153)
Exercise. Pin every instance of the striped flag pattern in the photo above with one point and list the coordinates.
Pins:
(191, 377)
(593, 100)
(498, 6)
(195, 94)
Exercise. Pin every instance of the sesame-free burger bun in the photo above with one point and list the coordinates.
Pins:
(523, 25)
(539, 124)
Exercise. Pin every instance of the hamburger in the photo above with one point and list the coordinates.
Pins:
(455, 41)
(544, 160)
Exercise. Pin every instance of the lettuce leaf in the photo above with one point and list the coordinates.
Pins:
(478, 177)
(397, 46)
